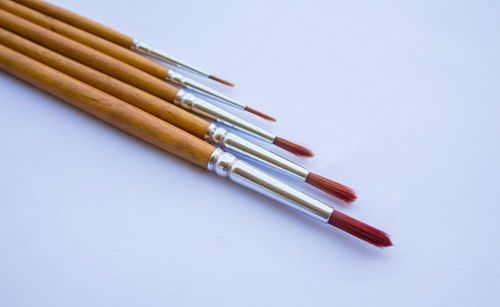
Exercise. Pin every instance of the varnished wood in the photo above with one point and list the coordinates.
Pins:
(108, 108)
(145, 101)
(86, 38)
(87, 56)
(79, 22)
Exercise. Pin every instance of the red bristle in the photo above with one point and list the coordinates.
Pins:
(331, 187)
(359, 229)
(292, 147)
(221, 80)
(264, 116)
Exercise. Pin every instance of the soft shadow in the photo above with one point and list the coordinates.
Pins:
(333, 236)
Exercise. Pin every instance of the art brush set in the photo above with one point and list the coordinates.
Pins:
(103, 72)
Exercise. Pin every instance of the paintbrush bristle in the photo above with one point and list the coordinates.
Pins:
(359, 229)
(331, 187)
(264, 116)
(221, 80)
(296, 149)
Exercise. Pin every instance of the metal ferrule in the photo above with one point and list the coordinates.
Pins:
(226, 165)
(232, 142)
(201, 107)
(162, 56)
(184, 81)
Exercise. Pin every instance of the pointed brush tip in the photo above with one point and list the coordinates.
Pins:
(221, 80)
(296, 149)
(359, 229)
(331, 187)
(260, 114)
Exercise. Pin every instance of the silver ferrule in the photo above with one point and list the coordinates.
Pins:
(163, 56)
(226, 165)
(234, 143)
(201, 107)
(184, 81)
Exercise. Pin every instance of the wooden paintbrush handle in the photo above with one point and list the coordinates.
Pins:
(88, 56)
(145, 101)
(86, 38)
(79, 22)
(108, 108)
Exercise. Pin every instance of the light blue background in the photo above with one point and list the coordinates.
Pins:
(398, 99)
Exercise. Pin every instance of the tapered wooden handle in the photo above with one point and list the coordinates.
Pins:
(145, 101)
(79, 22)
(108, 108)
(86, 38)
(88, 56)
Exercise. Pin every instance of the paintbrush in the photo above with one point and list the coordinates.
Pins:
(178, 142)
(122, 54)
(115, 36)
(138, 78)
(172, 114)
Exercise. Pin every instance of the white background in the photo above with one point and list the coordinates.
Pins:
(398, 100)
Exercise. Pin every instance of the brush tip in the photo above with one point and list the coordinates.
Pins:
(359, 229)
(264, 116)
(296, 149)
(331, 187)
(221, 80)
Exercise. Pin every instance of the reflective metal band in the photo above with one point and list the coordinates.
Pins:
(163, 56)
(226, 165)
(184, 81)
(234, 143)
(204, 108)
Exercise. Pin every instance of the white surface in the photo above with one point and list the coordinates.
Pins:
(399, 101)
